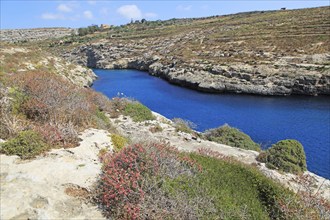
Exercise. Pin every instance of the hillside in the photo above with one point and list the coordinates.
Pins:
(266, 53)
(35, 34)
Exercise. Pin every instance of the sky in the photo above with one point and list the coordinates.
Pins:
(53, 13)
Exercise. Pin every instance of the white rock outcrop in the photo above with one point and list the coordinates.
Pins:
(53, 186)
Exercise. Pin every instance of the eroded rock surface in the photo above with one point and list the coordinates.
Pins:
(303, 74)
(26, 60)
(54, 186)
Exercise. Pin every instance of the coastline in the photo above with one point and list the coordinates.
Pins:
(278, 78)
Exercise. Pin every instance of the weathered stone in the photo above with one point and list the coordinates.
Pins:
(35, 34)
(280, 77)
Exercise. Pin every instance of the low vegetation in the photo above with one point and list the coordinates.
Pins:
(26, 145)
(118, 141)
(52, 107)
(103, 121)
(231, 136)
(88, 30)
(138, 112)
(156, 181)
(182, 125)
(286, 155)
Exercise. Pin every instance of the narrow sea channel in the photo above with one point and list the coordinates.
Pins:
(266, 119)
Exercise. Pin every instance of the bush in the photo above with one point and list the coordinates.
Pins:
(18, 99)
(132, 180)
(157, 181)
(57, 109)
(232, 137)
(238, 191)
(88, 30)
(183, 125)
(52, 98)
(26, 145)
(102, 121)
(58, 135)
(288, 156)
(138, 112)
(121, 182)
(10, 123)
(118, 141)
(118, 106)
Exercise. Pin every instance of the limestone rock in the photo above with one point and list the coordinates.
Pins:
(283, 76)
(38, 189)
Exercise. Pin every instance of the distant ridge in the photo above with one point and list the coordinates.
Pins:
(34, 34)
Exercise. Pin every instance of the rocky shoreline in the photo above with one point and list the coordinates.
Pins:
(279, 77)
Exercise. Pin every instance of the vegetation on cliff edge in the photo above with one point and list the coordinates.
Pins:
(156, 181)
(231, 136)
(286, 155)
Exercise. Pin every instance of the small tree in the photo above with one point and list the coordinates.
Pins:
(286, 155)
(82, 31)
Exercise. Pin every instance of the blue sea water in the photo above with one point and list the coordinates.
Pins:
(266, 119)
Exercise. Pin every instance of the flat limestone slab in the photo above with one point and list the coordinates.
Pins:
(38, 189)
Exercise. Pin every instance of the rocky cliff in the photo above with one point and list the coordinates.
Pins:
(20, 59)
(265, 53)
(303, 75)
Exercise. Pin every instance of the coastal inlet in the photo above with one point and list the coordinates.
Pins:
(266, 119)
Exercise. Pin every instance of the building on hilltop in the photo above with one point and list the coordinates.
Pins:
(105, 26)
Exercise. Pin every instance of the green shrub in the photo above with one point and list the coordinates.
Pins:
(118, 141)
(142, 181)
(232, 137)
(138, 112)
(18, 98)
(237, 190)
(102, 120)
(27, 144)
(288, 156)
(183, 125)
